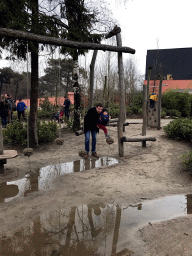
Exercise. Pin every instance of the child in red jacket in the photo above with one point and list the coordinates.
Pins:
(103, 120)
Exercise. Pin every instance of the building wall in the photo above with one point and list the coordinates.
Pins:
(175, 62)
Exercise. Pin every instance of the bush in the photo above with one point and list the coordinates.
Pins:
(173, 112)
(179, 129)
(181, 102)
(46, 105)
(163, 113)
(46, 131)
(114, 110)
(45, 114)
(15, 133)
(188, 160)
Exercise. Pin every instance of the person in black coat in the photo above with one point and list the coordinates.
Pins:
(66, 106)
(3, 110)
(90, 127)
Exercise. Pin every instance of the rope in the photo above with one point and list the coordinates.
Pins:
(27, 98)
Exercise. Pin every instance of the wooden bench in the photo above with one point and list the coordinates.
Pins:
(142, 139)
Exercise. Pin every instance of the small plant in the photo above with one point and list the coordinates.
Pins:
(179, 129)
(68, 122)
(188, 160)
(46, 131)
(15, 133)
(163, 114)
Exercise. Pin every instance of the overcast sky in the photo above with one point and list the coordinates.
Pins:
(148, 24)
(151, 24)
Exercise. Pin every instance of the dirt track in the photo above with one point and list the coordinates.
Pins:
(142, 174)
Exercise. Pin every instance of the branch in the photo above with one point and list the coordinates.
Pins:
(61, 42)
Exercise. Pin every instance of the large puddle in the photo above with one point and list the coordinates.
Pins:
(42, 179)
(91, 229)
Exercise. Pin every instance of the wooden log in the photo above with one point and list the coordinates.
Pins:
(1, 141)
(113, 120)
(80, 132)
(115, 124)
(7, 32)
(137, 139)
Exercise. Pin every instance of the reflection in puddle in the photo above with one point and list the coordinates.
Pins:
(41, 179)
(94, 229)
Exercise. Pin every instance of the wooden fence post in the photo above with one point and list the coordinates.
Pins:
(121, 97)
(159, 104)
(144, 113)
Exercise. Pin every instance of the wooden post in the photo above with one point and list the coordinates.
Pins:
(1, 150)
(144, 113)
(1, 141)
(148, 81)
(159, 104)
(121, 97)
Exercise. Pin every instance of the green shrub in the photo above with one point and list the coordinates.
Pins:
(179, 129)
(46, 131)
(188, 160)
(173, 112)
(163, 113)
(45, 114)
(46, 105)
(174, 100)
(113, 110)
(15, 133)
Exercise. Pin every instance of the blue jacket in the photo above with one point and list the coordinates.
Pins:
(104, 119)
(21, 106)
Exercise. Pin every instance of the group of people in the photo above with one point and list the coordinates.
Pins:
(7, 106)
(95, 119)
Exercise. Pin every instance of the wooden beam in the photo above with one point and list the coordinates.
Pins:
(116, 123)
(137, 139)
(6, 32)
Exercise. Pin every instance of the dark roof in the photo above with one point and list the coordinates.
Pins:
(177, 62)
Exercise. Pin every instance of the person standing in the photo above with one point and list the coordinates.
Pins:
(66, 106)
(90, 127)
(11, 105)
(3, 110)
(21, 107)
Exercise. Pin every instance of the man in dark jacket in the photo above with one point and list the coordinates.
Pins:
(66, 106)
(90, 126)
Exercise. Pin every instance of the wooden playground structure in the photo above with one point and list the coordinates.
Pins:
(150, 117)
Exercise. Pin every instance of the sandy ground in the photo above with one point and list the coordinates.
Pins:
(143, 173)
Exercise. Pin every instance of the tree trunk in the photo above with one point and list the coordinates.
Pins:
(77, 97)
(1, 85)
(33, 126)
(16, 90)
(33, 138)
(92, 69)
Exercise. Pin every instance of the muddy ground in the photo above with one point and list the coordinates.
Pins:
(142, 174)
